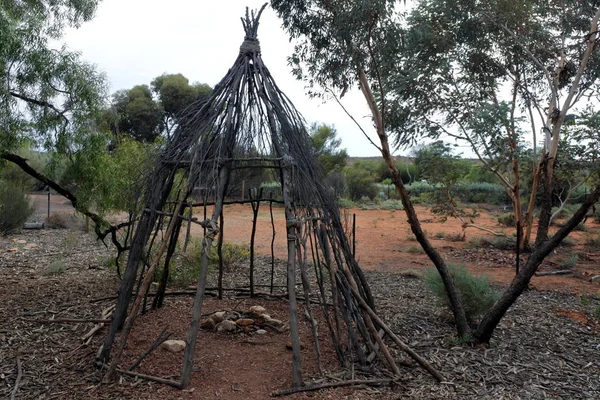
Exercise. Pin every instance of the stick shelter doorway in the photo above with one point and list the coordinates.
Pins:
(248, 124)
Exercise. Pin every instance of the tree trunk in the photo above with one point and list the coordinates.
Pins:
(541, 250)
(456, 305)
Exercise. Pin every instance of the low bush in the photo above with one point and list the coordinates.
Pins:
(56, 221)
(14, 209)
(476, 293)
(507, 219)
(499, 243)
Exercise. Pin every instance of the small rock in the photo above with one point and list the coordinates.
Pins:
(288, 345)
(218, 316)
(257, 310)
(261, 332)
(226, 326)
(13, 250)
(263, 318)
(244, 321)
(30, 246)
(21, 241)
(208, 324)
(174, 346)
(275, 322)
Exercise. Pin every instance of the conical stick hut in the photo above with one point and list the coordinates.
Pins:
(248, 124)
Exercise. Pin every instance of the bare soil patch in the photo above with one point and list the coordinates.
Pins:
(548, 346)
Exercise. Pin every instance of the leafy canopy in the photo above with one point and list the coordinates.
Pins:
(46, 93)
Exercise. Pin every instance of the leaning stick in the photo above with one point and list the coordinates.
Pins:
(159, 340)
(421, 361)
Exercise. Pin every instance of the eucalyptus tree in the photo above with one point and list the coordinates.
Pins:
(47, 93)
(444, 65)
(175, 94)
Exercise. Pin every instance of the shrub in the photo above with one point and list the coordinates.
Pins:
(500, 243)
(476, 292)
(186, 271)
(570, 262)
(14, 209)
(456, 237)
(507, 219)
(56, 221)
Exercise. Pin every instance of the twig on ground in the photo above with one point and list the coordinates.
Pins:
(159, 340)
(313, 387)
(18, 381)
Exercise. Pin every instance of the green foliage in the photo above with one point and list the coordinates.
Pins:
(456, 237)
(55, 221)
(14, 209)
(496, 242)
(507, 219)
(186, 270)
(47, 94)
(57, 267)
(327, 150)
(360, 182)
(106, 180)
(414, 250)
(139, 116)
(476, 292)
(175, 94)
(569, 262)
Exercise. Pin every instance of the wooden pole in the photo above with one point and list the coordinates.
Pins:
(220, 255)
(272, 241)
(212, 229)
(255, 206)
(292, 225)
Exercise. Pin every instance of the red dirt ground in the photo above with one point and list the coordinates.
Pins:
(384, 242)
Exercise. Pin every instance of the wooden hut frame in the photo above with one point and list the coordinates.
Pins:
(248, 122)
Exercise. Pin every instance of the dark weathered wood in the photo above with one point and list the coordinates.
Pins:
(157, 342)
(404, 347)
(255, 206)
(70, 320)
(169, 382)
(292, 232)
(272, 243)
(220, 255)
(141, 294)
(211, 231)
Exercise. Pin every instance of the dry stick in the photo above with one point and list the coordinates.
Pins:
(18, 381)
(159, 340)
(322, 298)
(220, 255)
(292, 231)
(175, 384)
(145, 285)
(559, 272)
(255, 207)
(68, 320)
(303, 262)
(384, 349)
(188, 230)
(421, 361)
(328, 385)
(324, 243)
(272, 242)
(212, 230)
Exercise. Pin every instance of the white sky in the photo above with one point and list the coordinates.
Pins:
(134, 41)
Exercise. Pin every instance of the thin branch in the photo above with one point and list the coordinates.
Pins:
(353, 119)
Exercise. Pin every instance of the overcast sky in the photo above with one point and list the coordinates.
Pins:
(134, 41)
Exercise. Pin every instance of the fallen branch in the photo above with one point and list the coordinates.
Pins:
(312, 387)
(175, 384)
(559, 272)
(18, 381)
(159, 340)
(68, 321)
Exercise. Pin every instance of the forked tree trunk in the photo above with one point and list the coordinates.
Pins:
(543, 248)
(456, 305)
